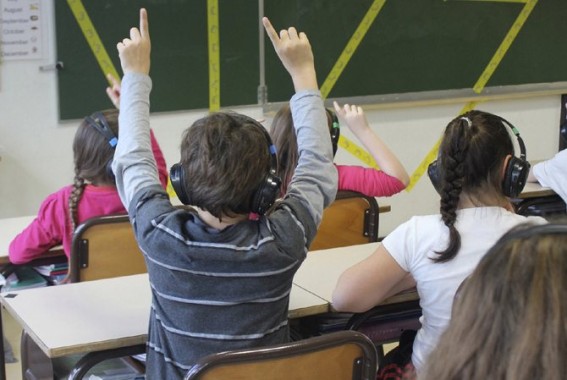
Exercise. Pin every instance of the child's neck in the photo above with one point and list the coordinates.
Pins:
(213, 221)
(468, 201)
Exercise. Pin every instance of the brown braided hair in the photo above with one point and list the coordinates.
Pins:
(471, 156)
(91, 153)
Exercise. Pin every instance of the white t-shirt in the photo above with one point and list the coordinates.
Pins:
(413, 244)
(553, 173)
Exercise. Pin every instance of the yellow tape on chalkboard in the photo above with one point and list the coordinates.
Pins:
(338, 68)
(214, 54)
(351, 47)
(505, 44)
(357, 37)
(92, 37)
(483, 79)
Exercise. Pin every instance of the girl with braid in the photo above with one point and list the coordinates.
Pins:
(476, 172)
(93, 192)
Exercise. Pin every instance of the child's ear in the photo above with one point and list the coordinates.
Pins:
(504, 166)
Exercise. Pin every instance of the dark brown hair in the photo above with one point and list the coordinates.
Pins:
(285, 141)
(510, 319)
(225, 157)
(91, 152)
(470, 160)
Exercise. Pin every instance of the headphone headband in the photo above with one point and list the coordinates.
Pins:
(516, 133)
(517, 168)
(335, 130)
(99, 122)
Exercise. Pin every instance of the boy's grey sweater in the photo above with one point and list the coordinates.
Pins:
(217, 290)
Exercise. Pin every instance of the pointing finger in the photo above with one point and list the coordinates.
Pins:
(144, 26)
(270, 30)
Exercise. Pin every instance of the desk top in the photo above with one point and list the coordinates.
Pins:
(535, 190)
(103, 314)
(321, 269)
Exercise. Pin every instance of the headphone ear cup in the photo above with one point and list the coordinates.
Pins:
(515, 177)
(266, 194)
(434, 176)
(177, 178)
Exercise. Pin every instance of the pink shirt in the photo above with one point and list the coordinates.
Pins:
(368, 181)
(52, 225)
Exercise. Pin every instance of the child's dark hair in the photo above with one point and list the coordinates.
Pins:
(92, 153)
(225, 157)
(285, 141)
(471, 156)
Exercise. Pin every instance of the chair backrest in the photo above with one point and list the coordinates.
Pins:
(105, 247)
(351, 219)
(337, 356)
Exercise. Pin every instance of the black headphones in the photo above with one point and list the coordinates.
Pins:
(264, 196)
(99, 122)
(516, 172)
(335, 130)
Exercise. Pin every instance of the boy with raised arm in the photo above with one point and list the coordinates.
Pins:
(221, 280)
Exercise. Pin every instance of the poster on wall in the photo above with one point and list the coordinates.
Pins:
(21, 30)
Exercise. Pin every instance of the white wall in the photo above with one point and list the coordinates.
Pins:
(36, 156)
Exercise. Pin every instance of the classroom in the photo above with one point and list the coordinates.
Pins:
(37, 127)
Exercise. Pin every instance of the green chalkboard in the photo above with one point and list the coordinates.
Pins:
(179, 53)
(413, 46)
(424, 45)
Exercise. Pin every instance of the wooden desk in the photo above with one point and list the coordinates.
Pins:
(104, 314)
(10, 228)
(321, 269)
(535, 190)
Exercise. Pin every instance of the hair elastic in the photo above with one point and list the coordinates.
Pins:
(469, 122)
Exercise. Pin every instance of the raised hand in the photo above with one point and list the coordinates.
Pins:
(294, 50)
(134, 52)
(353, 116)
(113, 91)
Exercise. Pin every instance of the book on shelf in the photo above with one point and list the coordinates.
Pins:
(55, 273)
(24, 278)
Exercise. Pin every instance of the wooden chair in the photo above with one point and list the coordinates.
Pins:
(338, 356)
(102, 247)
(105, 247)
(351, 219)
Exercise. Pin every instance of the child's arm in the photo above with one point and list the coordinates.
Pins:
(134, 164)
(113, 93)
(314, 182)
(43, 233)
(366, 284)
(354, 118)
